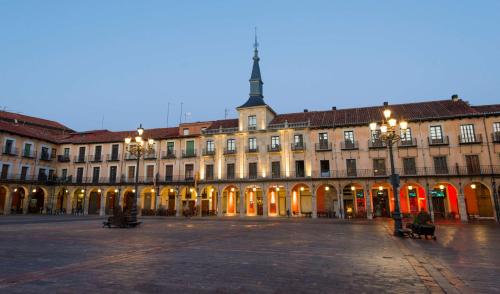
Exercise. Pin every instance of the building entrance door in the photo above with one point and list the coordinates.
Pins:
(380, 203)
(260, 207)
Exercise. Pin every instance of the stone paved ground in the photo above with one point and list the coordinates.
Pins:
(62, 254)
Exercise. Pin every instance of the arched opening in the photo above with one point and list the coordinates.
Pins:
(478, 200)
(94, 201)
(253, 201)
(167, 205)
(61, 201)
(17, 202)
(111, 201)
(277, 201)
(382, 206)
(3, 199)
(327, 202)
(148, 201)
(231, 200)
(445, 201)
(78, 203)
(301, 200)
(412, 199)
(355, 192)
(36, 201)
(209, 201)
(188, 195)
(128, 201)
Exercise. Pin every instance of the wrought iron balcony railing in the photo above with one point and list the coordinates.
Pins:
(471, 139)
(228, 151)
(376, 143)
(169, 154)
(438, 141)
(408, 143)
(113, 157)
(298, 146)
(323, 146)
(208, 152)
(349, 145)
(273, 148)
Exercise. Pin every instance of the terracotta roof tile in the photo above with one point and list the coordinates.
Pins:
(10, 116)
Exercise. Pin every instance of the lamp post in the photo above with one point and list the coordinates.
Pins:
(137, 147)
(388, 133)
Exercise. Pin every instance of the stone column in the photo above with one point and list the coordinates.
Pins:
(461, 204)
(178, 202)
(368, 199)
(314, 204)
(219, 204)
(26, 202)
(341, 204)
(198, 202)
(69, 205)
(8, 203)
(265, 207)
(102, 209)
(428, 198)
(86, 200)
(288, 201)
(121, 195)
(157, 198)
(242, 203)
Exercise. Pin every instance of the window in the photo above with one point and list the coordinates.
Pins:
(351, 167)
(252, 170)
(440, 165)
(252, 122)
(5, 171)
(95, 174)
(97, 153)
(299, 169)
(24, 172)
(436, 135)
(473, 167)
(42, 174)
(275, 142)
(496, 132)
(185, 132)
(323, 138)
(64, 173)
(79, 175)
(190, 148)
(51, 174)
(298, 141)
(231, 145)
(9, 147)
(81, 154)
(409, 167)
(406, 135)
(379, 167)
(210, 146)
(275, 169)
(150, 172)
(189, 172)
(170, 148)
(349, 137)
(45, 153)
(66, 152)
(169, 173)
(114, 151)
(131, 173)
(112, 174)
(252, 144)
(230, 171)
(325, 168)
(209, 171)
(467, 134)
(27, 150)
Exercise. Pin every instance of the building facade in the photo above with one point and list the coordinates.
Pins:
(312, 163)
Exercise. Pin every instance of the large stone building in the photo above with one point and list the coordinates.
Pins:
(311, 163)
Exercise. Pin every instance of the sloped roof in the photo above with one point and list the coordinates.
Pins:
(492, 108)
(105, 136)
(21, 118)
(224, 123)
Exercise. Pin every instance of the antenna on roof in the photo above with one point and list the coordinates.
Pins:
(168, 112)
(226, 112)
(102, 123)
(180, 118)
(186, 115)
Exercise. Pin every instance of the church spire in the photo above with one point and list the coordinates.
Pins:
(256, 98)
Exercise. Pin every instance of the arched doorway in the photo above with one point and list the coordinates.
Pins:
(167, 205)
(357, 193)
(380, 200)
(253, 201)
(3, 199)
(209, 201)
(111, 201)
(36, 201)
(148, 201)
(94, 201)
(61, 201)
(412, 199)
(277, 201)
(478, 200)
(327, 204)
(78, 203)
(301, 200)
(230, 200)
(445, 201)
(17, 202)
(128, 201)
(189, 198)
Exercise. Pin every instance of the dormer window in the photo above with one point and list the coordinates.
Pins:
(185, 132)
(252, 122)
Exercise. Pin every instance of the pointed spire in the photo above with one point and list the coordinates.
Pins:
(256, 97)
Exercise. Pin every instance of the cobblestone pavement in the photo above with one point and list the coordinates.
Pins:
(60, 254)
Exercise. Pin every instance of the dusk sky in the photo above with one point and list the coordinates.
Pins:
(79, 61)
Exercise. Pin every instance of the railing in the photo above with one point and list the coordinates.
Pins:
(273, 148)
(130, 156)
(298, 146)
(63, 158)
(252, 128)
(79, 159)
(95, 158)
(475, 139)
(150, 155)
(377, 143)
(349, 145)
(45, 156)
(495, 137)
(408, 143)
(252, 149)
(229, 151)
(189, 153)
(10, 151)
(438, 141)
(208, 152)
(284, 125)
(323, 146)
(219, 131)
(169, 154)
(28, 154)
(113, 157)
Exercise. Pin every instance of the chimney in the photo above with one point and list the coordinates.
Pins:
(454, 98)
(386, 103)
(305, 110)
(334, 107)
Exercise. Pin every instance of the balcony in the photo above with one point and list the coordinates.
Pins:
(150, 155)
(130, 156)
(113, 157)
(275, 148)
(169, 154)
(298, 146)
(495, 137)
(208, 152)
(79, 159)
(28, 154)
(95, 158)
(252, 128)
(188, 153)
(45, 156)
(254, 149)
(63, 158)
(9, 150)
(229, 151)
(323, 146)
(349, 145)
(376, 144)
(443, 141)
(408, 143)
(472, 139)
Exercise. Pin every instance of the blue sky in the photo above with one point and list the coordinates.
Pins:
(79, 61)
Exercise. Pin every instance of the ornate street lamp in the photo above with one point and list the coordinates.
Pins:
(137, 147)
(388, 133)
